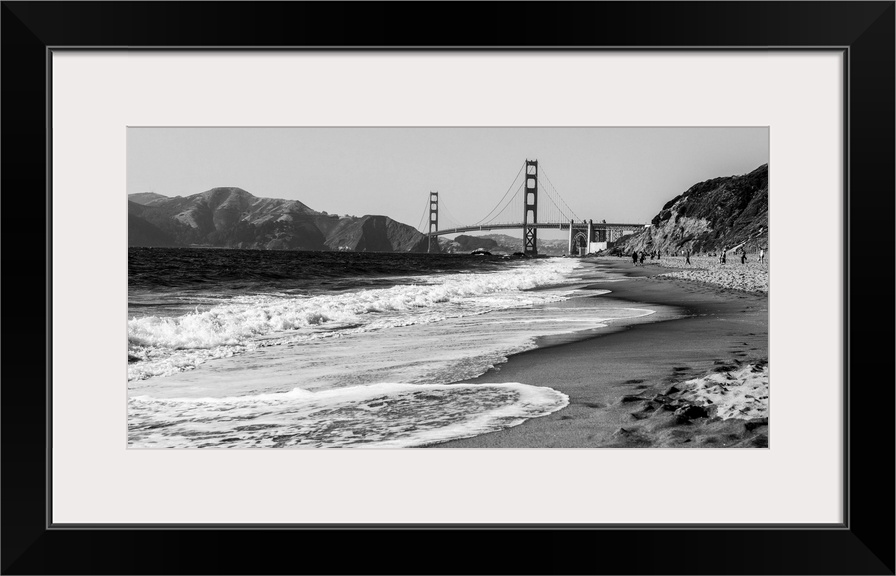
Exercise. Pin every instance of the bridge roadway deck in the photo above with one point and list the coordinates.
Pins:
(547, 225)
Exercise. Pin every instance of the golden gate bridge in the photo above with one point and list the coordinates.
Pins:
(535, 189)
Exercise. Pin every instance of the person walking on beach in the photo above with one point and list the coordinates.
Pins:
(761, 255)
(642, 258)
(743, 256)
(687, 257)
(635, 257)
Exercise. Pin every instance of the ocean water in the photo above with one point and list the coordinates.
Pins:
(234, 348)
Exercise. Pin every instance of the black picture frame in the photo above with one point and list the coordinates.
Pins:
(864, 544)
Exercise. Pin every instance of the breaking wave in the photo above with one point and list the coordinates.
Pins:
(163, 345)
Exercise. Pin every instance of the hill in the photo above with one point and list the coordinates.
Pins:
(501, 243)
(142, 233)
(145, 198)
(376, 234)
(719, 213)
(234, 218)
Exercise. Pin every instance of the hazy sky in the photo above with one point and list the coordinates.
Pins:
(615, 174)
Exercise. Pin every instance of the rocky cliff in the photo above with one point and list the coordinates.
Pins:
(234, 218)
(720, 213)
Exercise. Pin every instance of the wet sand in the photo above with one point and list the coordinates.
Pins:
(622, 382)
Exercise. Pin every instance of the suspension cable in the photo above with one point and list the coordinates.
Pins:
(453, 219)
(551, 191)
(502, 198)
(423, 216)
(558, 193)
(561, 213)
(506, 205)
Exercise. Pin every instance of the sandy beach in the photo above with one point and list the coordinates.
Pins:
(695, 374)
(750, 276)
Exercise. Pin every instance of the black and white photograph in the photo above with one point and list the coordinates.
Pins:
(419, 287)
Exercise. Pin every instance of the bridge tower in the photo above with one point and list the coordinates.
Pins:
(433, 220)
(530, 207)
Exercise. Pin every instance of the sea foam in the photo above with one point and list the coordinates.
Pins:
(386, 415)
(161, 346)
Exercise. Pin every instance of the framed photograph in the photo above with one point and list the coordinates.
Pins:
(323, 245)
